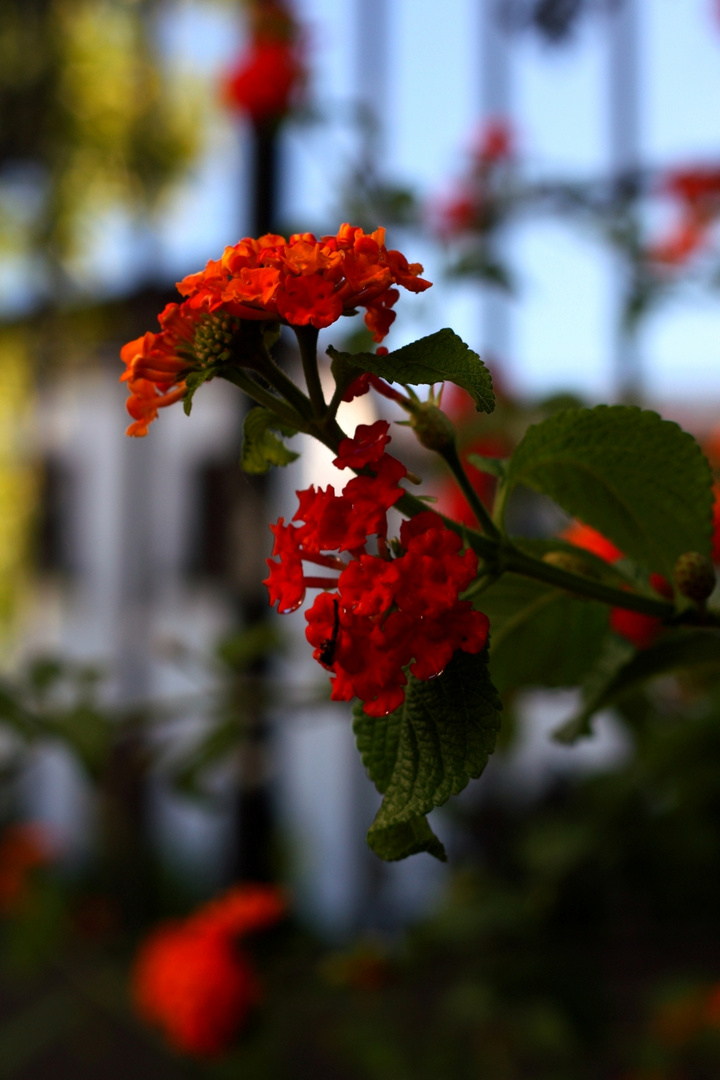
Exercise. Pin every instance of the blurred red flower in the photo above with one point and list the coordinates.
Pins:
(191, 979)
(23, 847)
(267, 77)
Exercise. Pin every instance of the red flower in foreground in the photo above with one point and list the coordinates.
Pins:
(302, 281)
(191, 980)
(384, 614)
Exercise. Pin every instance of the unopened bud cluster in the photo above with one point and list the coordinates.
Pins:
(213, 338)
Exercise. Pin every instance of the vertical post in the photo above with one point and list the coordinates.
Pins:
(264, 183)
(624, 143)
(253, 854)
(494, 102)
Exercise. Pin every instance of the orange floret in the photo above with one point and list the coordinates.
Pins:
(303, 281)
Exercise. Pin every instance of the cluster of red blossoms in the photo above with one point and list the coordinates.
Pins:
(387, 611)
(190, 978)
(302, 281)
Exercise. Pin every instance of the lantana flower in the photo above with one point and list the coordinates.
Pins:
(299, 282)
(382, 614)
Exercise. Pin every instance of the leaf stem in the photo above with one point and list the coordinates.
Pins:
(451, 456)
(289, 390)
(264, 397)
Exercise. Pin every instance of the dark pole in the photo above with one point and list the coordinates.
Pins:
(254, 848)
(265, 177)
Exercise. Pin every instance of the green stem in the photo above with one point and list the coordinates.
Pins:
(263, 397)
(450, 454)
(307, 340)
(289, 390)
(519, 562)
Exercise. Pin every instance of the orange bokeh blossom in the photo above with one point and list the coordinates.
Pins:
(191, 979)
(299, 282)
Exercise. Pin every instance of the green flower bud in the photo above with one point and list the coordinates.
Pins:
(694, 576)
(432, 427)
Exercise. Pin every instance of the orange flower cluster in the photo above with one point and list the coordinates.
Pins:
(302, 281)
(190, 978)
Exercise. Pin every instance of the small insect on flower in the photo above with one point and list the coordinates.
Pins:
(327, 649)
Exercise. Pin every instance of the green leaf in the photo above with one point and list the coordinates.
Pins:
(542, 636)
(640, 480)
(409, 838)
(261, 449)
(622, 668)
(426, 751)
(433, 359)
(194, 380)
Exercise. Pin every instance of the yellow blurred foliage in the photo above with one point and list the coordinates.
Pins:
(18, 483)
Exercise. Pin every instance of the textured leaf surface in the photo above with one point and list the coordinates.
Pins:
(621, 668)
(261, 449)
(432, 359)
(426, 751)
(641, 481)
(541, 636)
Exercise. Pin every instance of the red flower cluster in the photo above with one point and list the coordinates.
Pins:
(387, 614)
(640, 630)
(469, 207)
(266, 78)
(191, 980)
(302, 281)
